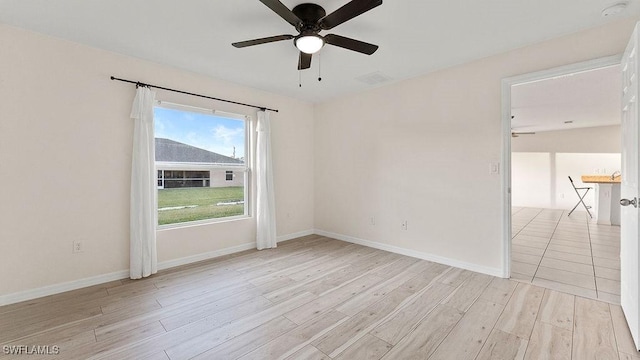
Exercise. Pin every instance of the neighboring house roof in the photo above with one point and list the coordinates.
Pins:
(173, 151)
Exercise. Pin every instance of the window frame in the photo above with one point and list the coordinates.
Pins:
(245, 168)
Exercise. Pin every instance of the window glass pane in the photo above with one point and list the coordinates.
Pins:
(192, 151)
(174, 174)
(196, 174)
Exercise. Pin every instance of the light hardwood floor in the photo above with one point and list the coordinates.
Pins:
(566, 253)
(318, 298)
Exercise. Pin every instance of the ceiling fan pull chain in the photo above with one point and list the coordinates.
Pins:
(299, 78)
(319, 69)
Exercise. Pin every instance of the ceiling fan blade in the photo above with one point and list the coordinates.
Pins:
(304, 62)
(350, 44)
(347, 12)
(269, 39)
(284, 12)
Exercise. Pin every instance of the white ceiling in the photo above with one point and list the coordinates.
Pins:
(415, 36)
(587, 99)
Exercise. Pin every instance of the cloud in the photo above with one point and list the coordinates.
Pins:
(227, 135)
(203, 131)
(220, 140)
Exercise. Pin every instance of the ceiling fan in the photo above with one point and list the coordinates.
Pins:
(517, 134)
(309, 20)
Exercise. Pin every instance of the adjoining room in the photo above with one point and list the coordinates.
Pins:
(566, 131)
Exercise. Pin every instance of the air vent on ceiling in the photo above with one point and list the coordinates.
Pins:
(374, 78)
(614, 9)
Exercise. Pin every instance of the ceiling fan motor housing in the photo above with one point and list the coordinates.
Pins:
(309, 14)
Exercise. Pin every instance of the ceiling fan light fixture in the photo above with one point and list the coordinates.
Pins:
(309, 44)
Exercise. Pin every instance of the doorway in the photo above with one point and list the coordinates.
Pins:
(544, 143)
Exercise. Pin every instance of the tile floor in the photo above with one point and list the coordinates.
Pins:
(566, 253)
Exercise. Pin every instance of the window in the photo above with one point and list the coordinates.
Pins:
(201, 164)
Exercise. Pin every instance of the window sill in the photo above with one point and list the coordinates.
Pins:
(202, 222)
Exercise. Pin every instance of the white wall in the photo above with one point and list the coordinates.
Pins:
(420, 150)
(542, 162)
(532, 179)
(65, 159)
(540, 179)
(417, 150)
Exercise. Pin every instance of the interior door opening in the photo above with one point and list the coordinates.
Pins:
(551, 125)
(629, 253)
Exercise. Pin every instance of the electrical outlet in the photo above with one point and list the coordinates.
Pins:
(77, 247)
(372, 220)
(404, 225)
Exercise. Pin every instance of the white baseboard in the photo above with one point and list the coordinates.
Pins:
(205, 256)
(214, 254)
(413, 253)
(123, 274)
(287, 237)
(62, 287)
(118, 275)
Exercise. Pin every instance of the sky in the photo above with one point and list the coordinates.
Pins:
(206, 131)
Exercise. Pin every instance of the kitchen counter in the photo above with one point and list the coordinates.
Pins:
(607, 196)
(600, 179)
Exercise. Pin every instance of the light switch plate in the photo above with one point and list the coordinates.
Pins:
(494, 168)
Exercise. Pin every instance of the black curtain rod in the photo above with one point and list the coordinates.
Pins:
(138, 83)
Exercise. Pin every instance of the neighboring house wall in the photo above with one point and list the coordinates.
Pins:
(421, 150)
(541, 164)
(181, 165)
(222, 178)
(167, 178)
(61, 114)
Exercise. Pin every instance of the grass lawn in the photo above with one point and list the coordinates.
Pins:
(205, 200)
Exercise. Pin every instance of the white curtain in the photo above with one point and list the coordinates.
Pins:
(143, 260)
(266, 207)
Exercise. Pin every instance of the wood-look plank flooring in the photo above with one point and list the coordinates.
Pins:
(316, 298)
